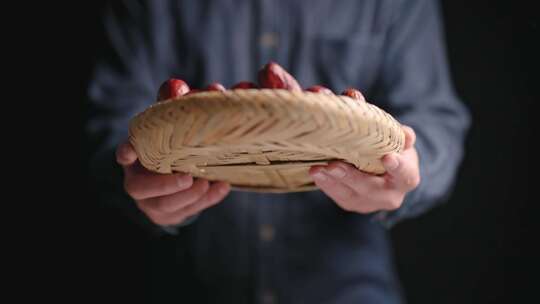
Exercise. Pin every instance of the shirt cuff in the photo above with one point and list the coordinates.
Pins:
(389, 218)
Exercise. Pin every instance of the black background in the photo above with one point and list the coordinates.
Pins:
(473, 249)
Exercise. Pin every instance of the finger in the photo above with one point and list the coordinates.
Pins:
(214, 195)
(359, 181)
(125, 154)
(335, 189)
(401, 171)
(173, 202)
(141, 184)
(410, 136)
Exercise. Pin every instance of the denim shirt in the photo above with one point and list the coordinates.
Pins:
(297, 247)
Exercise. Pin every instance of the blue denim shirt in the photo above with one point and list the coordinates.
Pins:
(299, 247)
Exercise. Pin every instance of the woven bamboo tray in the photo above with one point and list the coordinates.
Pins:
(262, 140)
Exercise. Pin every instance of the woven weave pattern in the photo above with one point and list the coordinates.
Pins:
(262, 140)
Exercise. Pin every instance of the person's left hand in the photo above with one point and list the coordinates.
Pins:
(356, 191)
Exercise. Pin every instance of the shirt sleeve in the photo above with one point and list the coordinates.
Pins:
(132, 63)
(415, 86)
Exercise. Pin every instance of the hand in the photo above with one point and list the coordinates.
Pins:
(167, 199)
(356, 191)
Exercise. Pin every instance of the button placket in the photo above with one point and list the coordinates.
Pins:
(268, 297)
(266, 233)
(268, 37)
(269, 40)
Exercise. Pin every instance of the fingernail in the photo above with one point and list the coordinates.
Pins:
(223, 189)
(182, 181)
(338, 172)
(121, 157)
(320, 176)
(391, 163)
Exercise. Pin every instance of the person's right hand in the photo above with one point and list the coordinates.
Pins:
(167, 199)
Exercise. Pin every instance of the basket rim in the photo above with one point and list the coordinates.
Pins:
(336, 120)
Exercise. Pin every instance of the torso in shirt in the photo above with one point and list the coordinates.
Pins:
(283, 246)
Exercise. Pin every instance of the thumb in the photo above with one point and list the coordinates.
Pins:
(410, 136)
(125, 154)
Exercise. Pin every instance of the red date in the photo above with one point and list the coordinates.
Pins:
(273, 76)
(245, 85)
(216, 86)
(320, 89)
(172, 88)
(354, 94)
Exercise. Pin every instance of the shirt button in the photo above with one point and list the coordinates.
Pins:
(269, 40)
(266, 233)
(268, 297)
